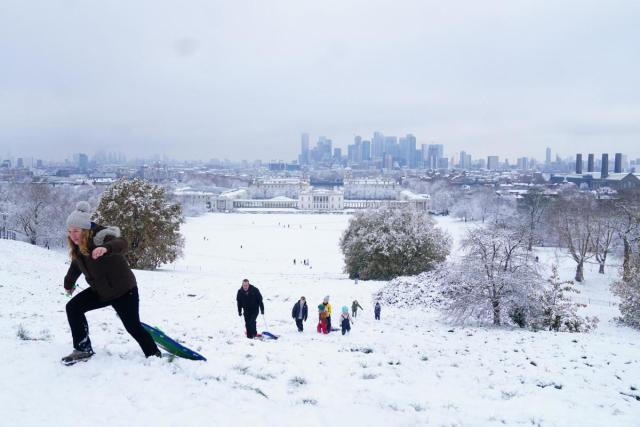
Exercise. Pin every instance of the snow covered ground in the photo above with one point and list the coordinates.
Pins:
(408, 369)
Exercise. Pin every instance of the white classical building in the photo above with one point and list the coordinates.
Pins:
(201, 200)
(371, 189)
(268, 188)
(321, 200)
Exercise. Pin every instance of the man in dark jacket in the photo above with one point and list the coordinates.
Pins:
(300, 312)
(249, 300)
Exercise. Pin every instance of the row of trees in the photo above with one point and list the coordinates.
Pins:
(146, 216)
(498, 279)
(588, 227)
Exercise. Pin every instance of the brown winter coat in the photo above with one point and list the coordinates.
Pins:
(108, 276)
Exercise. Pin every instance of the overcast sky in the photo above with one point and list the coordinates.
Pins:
(242, 79)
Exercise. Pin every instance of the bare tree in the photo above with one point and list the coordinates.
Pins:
(604, 232)
(575, 214)
(533, 207)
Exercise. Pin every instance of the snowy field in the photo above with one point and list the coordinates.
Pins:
(408, 369)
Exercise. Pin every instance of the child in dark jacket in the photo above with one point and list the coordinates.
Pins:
(345, 320)
(322, 319)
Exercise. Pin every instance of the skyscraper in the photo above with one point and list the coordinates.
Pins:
(304, 149)
(366, 150)
(377, 146)
(548, 156)
(408, 150)
(493, 163)
(434, 153)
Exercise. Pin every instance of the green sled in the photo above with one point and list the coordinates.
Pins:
(170, 345)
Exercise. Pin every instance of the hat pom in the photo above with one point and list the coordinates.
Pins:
(83, 206)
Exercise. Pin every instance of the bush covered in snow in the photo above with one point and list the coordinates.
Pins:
(146, 219)
(386, 243)
(556, 311)
(421, 291)
(629, 293)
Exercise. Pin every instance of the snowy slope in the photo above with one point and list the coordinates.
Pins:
(408, 369)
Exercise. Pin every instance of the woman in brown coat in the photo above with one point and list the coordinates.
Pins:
(98, 253)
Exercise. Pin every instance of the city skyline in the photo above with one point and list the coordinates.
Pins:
(220, 79)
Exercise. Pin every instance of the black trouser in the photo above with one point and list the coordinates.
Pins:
(250, 323)
(127, 308)
(299, 325)
(377, 315)
(346, 326)
(328, 323)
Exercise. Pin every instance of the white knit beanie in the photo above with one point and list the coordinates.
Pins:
(80, 218)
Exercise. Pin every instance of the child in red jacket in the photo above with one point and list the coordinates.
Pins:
(322, 319)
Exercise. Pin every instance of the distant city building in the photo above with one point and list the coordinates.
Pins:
(493, 163)
(303, 158)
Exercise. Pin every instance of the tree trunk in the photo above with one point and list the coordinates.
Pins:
(580, 272)
(601, 269)
(496, 312)
(626, 262)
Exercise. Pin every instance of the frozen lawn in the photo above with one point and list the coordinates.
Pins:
(410, 368)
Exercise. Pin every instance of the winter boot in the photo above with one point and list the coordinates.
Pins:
(77, 356)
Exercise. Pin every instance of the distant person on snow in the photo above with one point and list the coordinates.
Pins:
(327, 307)
(354, 307)
(356, 277)
(300, 312)
(322, 319)
(249, 300)
(376, 310)
(98, 253)
(345, 320)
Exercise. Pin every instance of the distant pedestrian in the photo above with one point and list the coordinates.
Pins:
(376, 311)
(354, 307)
(294, 261)
(356, 277)
(300, 312)
(249, 301)
(345, 320)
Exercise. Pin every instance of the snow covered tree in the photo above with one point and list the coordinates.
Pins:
(33, 210)
(385, 243)
(556, 310)
(146, 218)
(604, 233)
(627, 210)
(494, 279)
(629, 293)
(442, 197)
(532, 209)
(575, 220)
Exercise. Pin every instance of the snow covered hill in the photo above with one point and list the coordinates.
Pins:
(410, 368)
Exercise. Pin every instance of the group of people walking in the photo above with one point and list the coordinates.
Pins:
(300, 313)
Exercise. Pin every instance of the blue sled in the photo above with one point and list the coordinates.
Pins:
(170, 345)
(269, 334)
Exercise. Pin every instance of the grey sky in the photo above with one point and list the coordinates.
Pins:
(242, 79)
